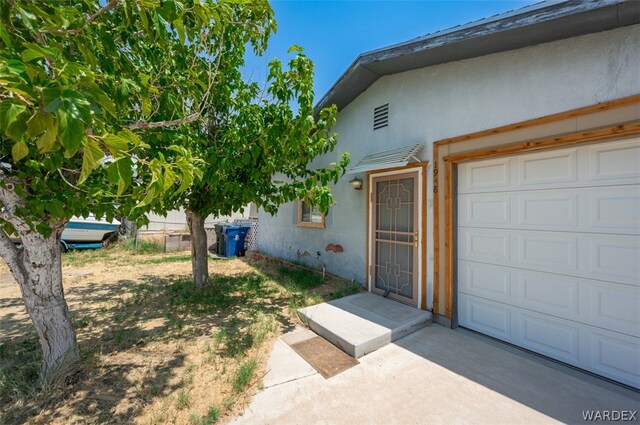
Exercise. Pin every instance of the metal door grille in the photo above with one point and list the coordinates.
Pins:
(395, 236)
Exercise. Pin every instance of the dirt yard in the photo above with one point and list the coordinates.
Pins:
(154, 349)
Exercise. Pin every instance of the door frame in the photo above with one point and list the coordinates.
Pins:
(603, 134)
(421, 169)
(440, 252)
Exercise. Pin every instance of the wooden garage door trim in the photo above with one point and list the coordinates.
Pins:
(598, 107)
(451, 161)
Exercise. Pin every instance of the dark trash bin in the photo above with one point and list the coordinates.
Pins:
(219, 246)
(234, 237)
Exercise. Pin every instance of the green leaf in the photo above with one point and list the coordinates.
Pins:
(18, 128)
(186, 182)
(120, 172)
(16, 67)
(169, 178)
(9, 112)
(90, 160)
(74, 103)
(179, 25)
(34, 51)
(19, 151)
(150, 196)
(125, 171)
(144, 79)
(116, 144)
(4, 35)
(47, 142)
(21, 92)
(112, 173)
(71, 132)
(146, 104)
(38, 123)
(295, 48)
(130, 136)
(55, 208)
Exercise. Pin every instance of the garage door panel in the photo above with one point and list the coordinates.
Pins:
(484, 245)
(615, 356)
(614, 258)
(548, 209)
(485, 316)
(548, 293)
(587, 210)
(490, 175)
(548, 168)
(615, 307)
(485, 210)
(610, 306)
(548, 254)
(616, 162)
(548, 251)
(614, 209)
(550, 336)
(485, 281)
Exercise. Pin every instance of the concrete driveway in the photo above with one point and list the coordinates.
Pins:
(433, 376)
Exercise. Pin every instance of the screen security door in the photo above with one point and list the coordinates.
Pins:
(394, 240)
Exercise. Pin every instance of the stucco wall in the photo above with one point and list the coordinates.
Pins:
(449, 100)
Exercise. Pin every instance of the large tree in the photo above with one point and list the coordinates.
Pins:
(99, 104)
(258, 140)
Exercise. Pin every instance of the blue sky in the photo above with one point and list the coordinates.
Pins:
(334, 33)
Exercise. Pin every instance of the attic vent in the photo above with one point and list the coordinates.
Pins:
(381, 116)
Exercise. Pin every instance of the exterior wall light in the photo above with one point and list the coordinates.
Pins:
(356, 183)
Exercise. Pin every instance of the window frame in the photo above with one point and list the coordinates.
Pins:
(301, 223)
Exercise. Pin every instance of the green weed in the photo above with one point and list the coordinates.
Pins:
(298, 280)
(261, 329)
(167, 259)
(209, 419)
(183, 400)
(80, 258)
(159, 417)
(244, 375)
(346, 290)
(143, 247)
(18, 380)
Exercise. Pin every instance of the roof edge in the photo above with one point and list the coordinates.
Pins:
(527, 26)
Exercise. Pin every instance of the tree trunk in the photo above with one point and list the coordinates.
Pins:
(129, 227)
(199, 252)
(37, 267)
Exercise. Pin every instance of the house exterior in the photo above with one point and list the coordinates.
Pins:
(500, 163)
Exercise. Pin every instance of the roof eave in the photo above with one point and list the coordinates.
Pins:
(534, 25)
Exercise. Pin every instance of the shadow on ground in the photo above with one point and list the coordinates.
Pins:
(127, 317)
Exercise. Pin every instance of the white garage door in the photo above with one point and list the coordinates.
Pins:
(549, 254)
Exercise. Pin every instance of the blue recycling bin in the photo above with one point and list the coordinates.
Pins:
(234, 240)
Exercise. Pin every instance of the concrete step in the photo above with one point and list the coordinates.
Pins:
(362, 323)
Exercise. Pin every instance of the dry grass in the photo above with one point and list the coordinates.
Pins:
(154, 349)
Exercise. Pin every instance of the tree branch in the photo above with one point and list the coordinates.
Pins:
(109, 6)
(69, 183)
(13, 257)
(159, 124)
(8, 249)
(18, 96)
(213, 72)
(9, 200)
(112, 4)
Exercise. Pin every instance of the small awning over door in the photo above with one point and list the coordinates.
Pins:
(387, 159)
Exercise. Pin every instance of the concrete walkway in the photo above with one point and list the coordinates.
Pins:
(433, 376)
